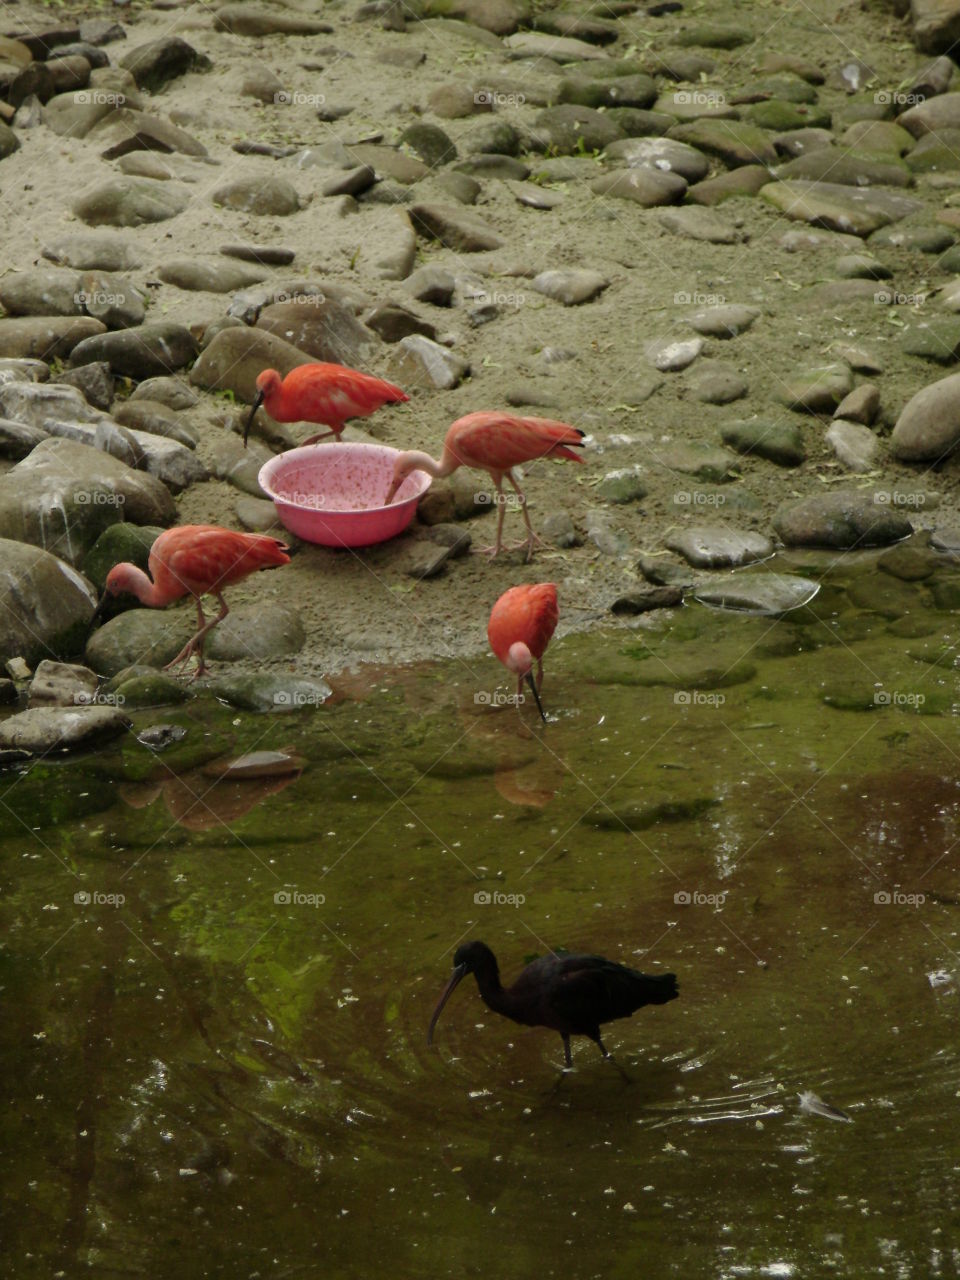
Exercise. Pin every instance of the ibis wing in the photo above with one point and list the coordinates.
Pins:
(211, 558)
(499, 442)
(590, 990)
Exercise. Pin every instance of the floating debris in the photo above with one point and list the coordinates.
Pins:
(815, 1106)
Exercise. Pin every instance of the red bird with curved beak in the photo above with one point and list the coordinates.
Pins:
(496, 443)
(195, 560)
(325, 393)
(521, 625)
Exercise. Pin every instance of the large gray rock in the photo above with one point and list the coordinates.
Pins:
(321, 328)
(665, 155)
(65, 494)
(129, 202)
(416, 361)
(148, 637)
(92, 250)
(839, 208)
(45, 605)
(929, 426)
(718, 546)
(845, 520)
(235, 357)
(644, 185)
(62, 684)
(935, 114)
(61, 729)
(147, 351)
(153, 64)
(45, 337)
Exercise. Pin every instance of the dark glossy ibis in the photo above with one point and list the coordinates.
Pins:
(571, 994)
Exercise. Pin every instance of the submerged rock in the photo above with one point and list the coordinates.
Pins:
(763, 593)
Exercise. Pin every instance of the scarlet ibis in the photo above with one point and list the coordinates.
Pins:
(494, 442)
(570, 994)
(521, 624)
(195, 560)
(325, 393)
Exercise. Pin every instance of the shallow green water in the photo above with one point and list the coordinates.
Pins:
(204, 1081)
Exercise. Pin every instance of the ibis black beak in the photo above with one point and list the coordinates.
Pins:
(536, 695)
(257, 402)
(451, 986)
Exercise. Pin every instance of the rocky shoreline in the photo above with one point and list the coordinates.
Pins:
(734, 267)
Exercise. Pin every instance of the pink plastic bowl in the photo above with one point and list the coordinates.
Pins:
(333, 493)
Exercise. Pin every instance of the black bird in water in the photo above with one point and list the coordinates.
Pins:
(571, 994)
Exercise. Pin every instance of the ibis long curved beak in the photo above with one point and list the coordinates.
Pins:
(257, 402)
(451, 986)
(536, 695)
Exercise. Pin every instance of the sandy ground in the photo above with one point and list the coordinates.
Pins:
(362, 606)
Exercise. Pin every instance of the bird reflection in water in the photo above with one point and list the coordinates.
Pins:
(220, 792)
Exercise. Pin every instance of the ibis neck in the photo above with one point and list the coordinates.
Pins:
(139, 584)
(439, 470)
(487, 975)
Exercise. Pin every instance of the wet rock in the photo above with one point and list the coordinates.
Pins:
(210, 276)
(147, 351)
(118, 543)
(839, 208)
(321, 328)
(129, 202)
(266, 692)
(624, 485)
(434, 284)
(45, 337)
(847, 167)
(841, 519)
(47, 729)
(856, 447)
(567, 130)
(671, 355)
(251, 20)
(62, 684)
(929, 426)
(45, 605)
(911, 561)
(779, 442)
(88, 251)
(153, 689)
(716, 383)
(256, 633)
(570, 285)
(261, 196)
(643, 599)
(861, 405)
(454, 229)
(747, 180)
(235, 358)
(17, 439)
(717, 546)
(389, 246)
(645, 186)
(65, 494)
(147, 637)
(172, 392)
(419, 363)
(157, 419)
(156, 63)
(727, 320)
(818, 390)
(699, 224)
(637, 90)
(732, 141)
(761, 593)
